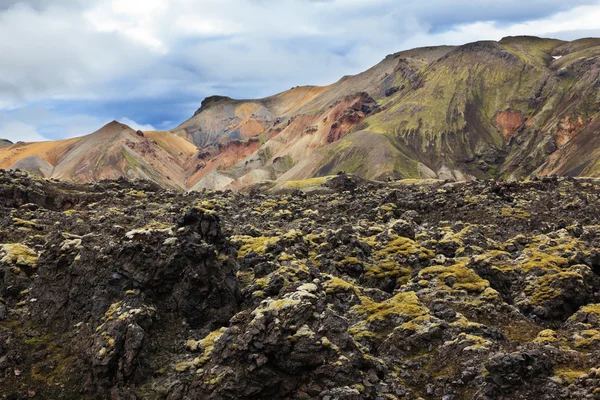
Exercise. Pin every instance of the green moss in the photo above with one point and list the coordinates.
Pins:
(38, 340)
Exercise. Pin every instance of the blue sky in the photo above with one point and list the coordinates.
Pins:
(70, 66)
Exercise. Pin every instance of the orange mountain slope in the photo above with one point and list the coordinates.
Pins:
(111, 152)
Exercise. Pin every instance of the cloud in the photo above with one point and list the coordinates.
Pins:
(83, 62)
(135, 126)
(17, 131)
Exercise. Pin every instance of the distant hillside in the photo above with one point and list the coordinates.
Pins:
(510, 109)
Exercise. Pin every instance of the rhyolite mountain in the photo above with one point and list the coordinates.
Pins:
(511, 109)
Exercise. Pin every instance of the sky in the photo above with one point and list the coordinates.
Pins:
(67, 67)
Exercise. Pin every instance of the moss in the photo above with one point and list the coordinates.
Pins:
(23, 223)
(515, 213)
(250, 244)
(350, 261)
(38, 340)
(16, 253)
(593, 309)
(569, 375)
(458, 276)
(389, 269)
(535, 260)
(262, 282)
(245, 278)
(207, 205)
(399, 309)
(275, 305)
(420, 323)
(335, 284)
(303, 332)
(548, 286)
(402, 246)
(388, 207)
(472, 342)
(215, 379)
(269, 204)
(587, 339)
(206, 344)
(547, 336)
(306, 182)
(137, 194)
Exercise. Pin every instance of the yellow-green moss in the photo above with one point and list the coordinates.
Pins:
(547, 336)
(392, 269)
(593, 309)
(587, 338)
(206, 344)
(402, 246)
(517, 213)
(401, 308)
(258, 245)
(335, 284)
(305, 183)
(546, 288)
(23, 223)
(465, 278)
(16, 253)
(569, 375)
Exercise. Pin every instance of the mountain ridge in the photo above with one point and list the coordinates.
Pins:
(510, 109)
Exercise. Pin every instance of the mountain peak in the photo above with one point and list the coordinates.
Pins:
(211, 101)
(114, 124)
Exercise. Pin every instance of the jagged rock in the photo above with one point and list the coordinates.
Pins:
(435, 290)
(509, 371)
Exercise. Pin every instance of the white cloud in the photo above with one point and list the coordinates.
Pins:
(17, 131)
(135, 126)
(126, 50)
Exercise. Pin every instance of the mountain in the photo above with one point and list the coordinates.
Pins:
(113, 151)
(511, 109)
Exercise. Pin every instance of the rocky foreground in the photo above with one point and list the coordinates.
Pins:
(357, 290)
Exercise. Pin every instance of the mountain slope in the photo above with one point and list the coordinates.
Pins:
(486, 109)
(111, 152)
(515, 108)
